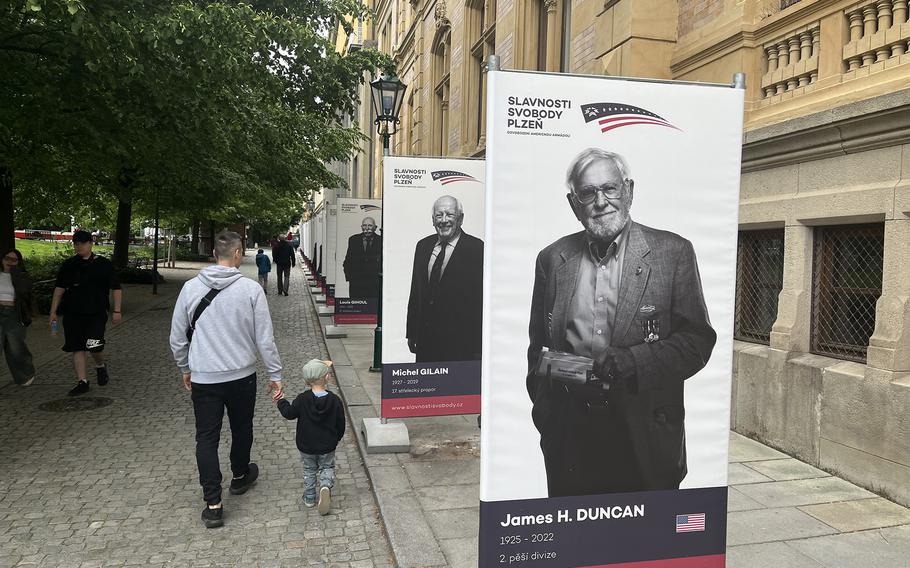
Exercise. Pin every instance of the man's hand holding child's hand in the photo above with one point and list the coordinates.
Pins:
(276, 389)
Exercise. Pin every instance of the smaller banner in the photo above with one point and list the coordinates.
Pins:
(331, 222)
(432, 286)
(358, 260)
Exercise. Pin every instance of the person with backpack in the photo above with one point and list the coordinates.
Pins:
(220, 323)
(265, 266)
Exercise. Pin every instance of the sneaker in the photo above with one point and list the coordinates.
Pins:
(213, 518)
(103, 378)
(240, 485)
(325, 500)
(80, 388)
(310, 503)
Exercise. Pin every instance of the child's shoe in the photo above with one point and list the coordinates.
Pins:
(325, 500)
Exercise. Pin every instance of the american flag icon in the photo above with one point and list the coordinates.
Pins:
(694, 522)
(610, 116)
(445, 177)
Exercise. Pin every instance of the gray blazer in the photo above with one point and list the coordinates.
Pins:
(660, 283)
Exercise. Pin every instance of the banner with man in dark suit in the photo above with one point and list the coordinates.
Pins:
(433, 304)
(358, 254)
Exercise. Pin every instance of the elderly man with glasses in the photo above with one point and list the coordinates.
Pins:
(625, 300)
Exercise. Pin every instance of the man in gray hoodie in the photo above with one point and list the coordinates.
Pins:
(215, 349)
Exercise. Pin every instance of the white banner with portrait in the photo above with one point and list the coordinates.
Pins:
(608, 316)
(432, 286)
(358, 254)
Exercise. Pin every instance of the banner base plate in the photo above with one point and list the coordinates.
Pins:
(388, 438)
(335, 332)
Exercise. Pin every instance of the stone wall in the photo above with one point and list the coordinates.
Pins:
(693, 14)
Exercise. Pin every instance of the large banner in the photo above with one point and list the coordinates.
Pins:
(432, 286)
(608, 317)
(358, 255)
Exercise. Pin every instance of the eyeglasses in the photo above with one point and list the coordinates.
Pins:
(11, 258)
(587, 194)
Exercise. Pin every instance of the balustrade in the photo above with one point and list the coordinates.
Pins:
(791, 62)
(879, 35)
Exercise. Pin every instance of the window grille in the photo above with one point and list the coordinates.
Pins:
(759, 280)
(847, 281)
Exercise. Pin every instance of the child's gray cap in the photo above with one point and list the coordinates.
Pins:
(315, 369)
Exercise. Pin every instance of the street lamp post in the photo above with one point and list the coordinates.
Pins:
(155, 248)
(388, 94)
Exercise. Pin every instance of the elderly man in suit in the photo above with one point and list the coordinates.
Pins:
(363, 261)
(629, 298)
(446, 302)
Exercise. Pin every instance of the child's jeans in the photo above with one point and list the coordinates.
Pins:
(315, 465)
(264, 281)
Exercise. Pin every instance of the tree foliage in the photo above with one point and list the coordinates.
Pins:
(223, 110)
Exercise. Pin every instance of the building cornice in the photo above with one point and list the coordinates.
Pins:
(865, 125)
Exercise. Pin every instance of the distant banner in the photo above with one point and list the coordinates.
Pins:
(331, 244)
(608, 326)
(358, 253)
(433, 249)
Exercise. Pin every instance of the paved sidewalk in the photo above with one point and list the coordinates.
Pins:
(782, 513)
(117, 485)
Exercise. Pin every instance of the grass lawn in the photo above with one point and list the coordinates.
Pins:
(31, 249)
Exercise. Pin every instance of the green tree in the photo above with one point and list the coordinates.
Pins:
(221, 109)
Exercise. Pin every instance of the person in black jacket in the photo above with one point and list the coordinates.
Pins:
(320, 426)
(16, 308)
(283, 258)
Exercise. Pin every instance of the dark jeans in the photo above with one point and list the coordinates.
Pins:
(284, 277)
(12, 341)
(209, 402)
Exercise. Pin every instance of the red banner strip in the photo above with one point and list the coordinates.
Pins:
(341, 319)
(430, 406)
(713, 561)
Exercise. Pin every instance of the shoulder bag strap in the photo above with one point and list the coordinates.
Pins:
(203, 304)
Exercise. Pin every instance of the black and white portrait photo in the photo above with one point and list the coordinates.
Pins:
(363, 261)
(433, 262)
(628, 298)
(445, 305)
(358, 249)
(610, 257)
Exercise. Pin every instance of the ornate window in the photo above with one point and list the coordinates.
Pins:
(442, 65)
(544, 34)
(480, 20)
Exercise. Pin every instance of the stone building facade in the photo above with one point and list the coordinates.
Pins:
(822, 357)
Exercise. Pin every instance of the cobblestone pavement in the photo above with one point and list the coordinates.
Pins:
(117, 485)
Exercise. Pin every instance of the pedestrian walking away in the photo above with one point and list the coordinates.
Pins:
(220, 323)
(320, 426)
(82, 293)
(16, 309)
(283, 257)
(265, 266)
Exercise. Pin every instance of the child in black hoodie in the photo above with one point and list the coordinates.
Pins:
(320, 426)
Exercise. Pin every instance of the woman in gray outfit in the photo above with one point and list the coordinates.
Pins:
(15, 317)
